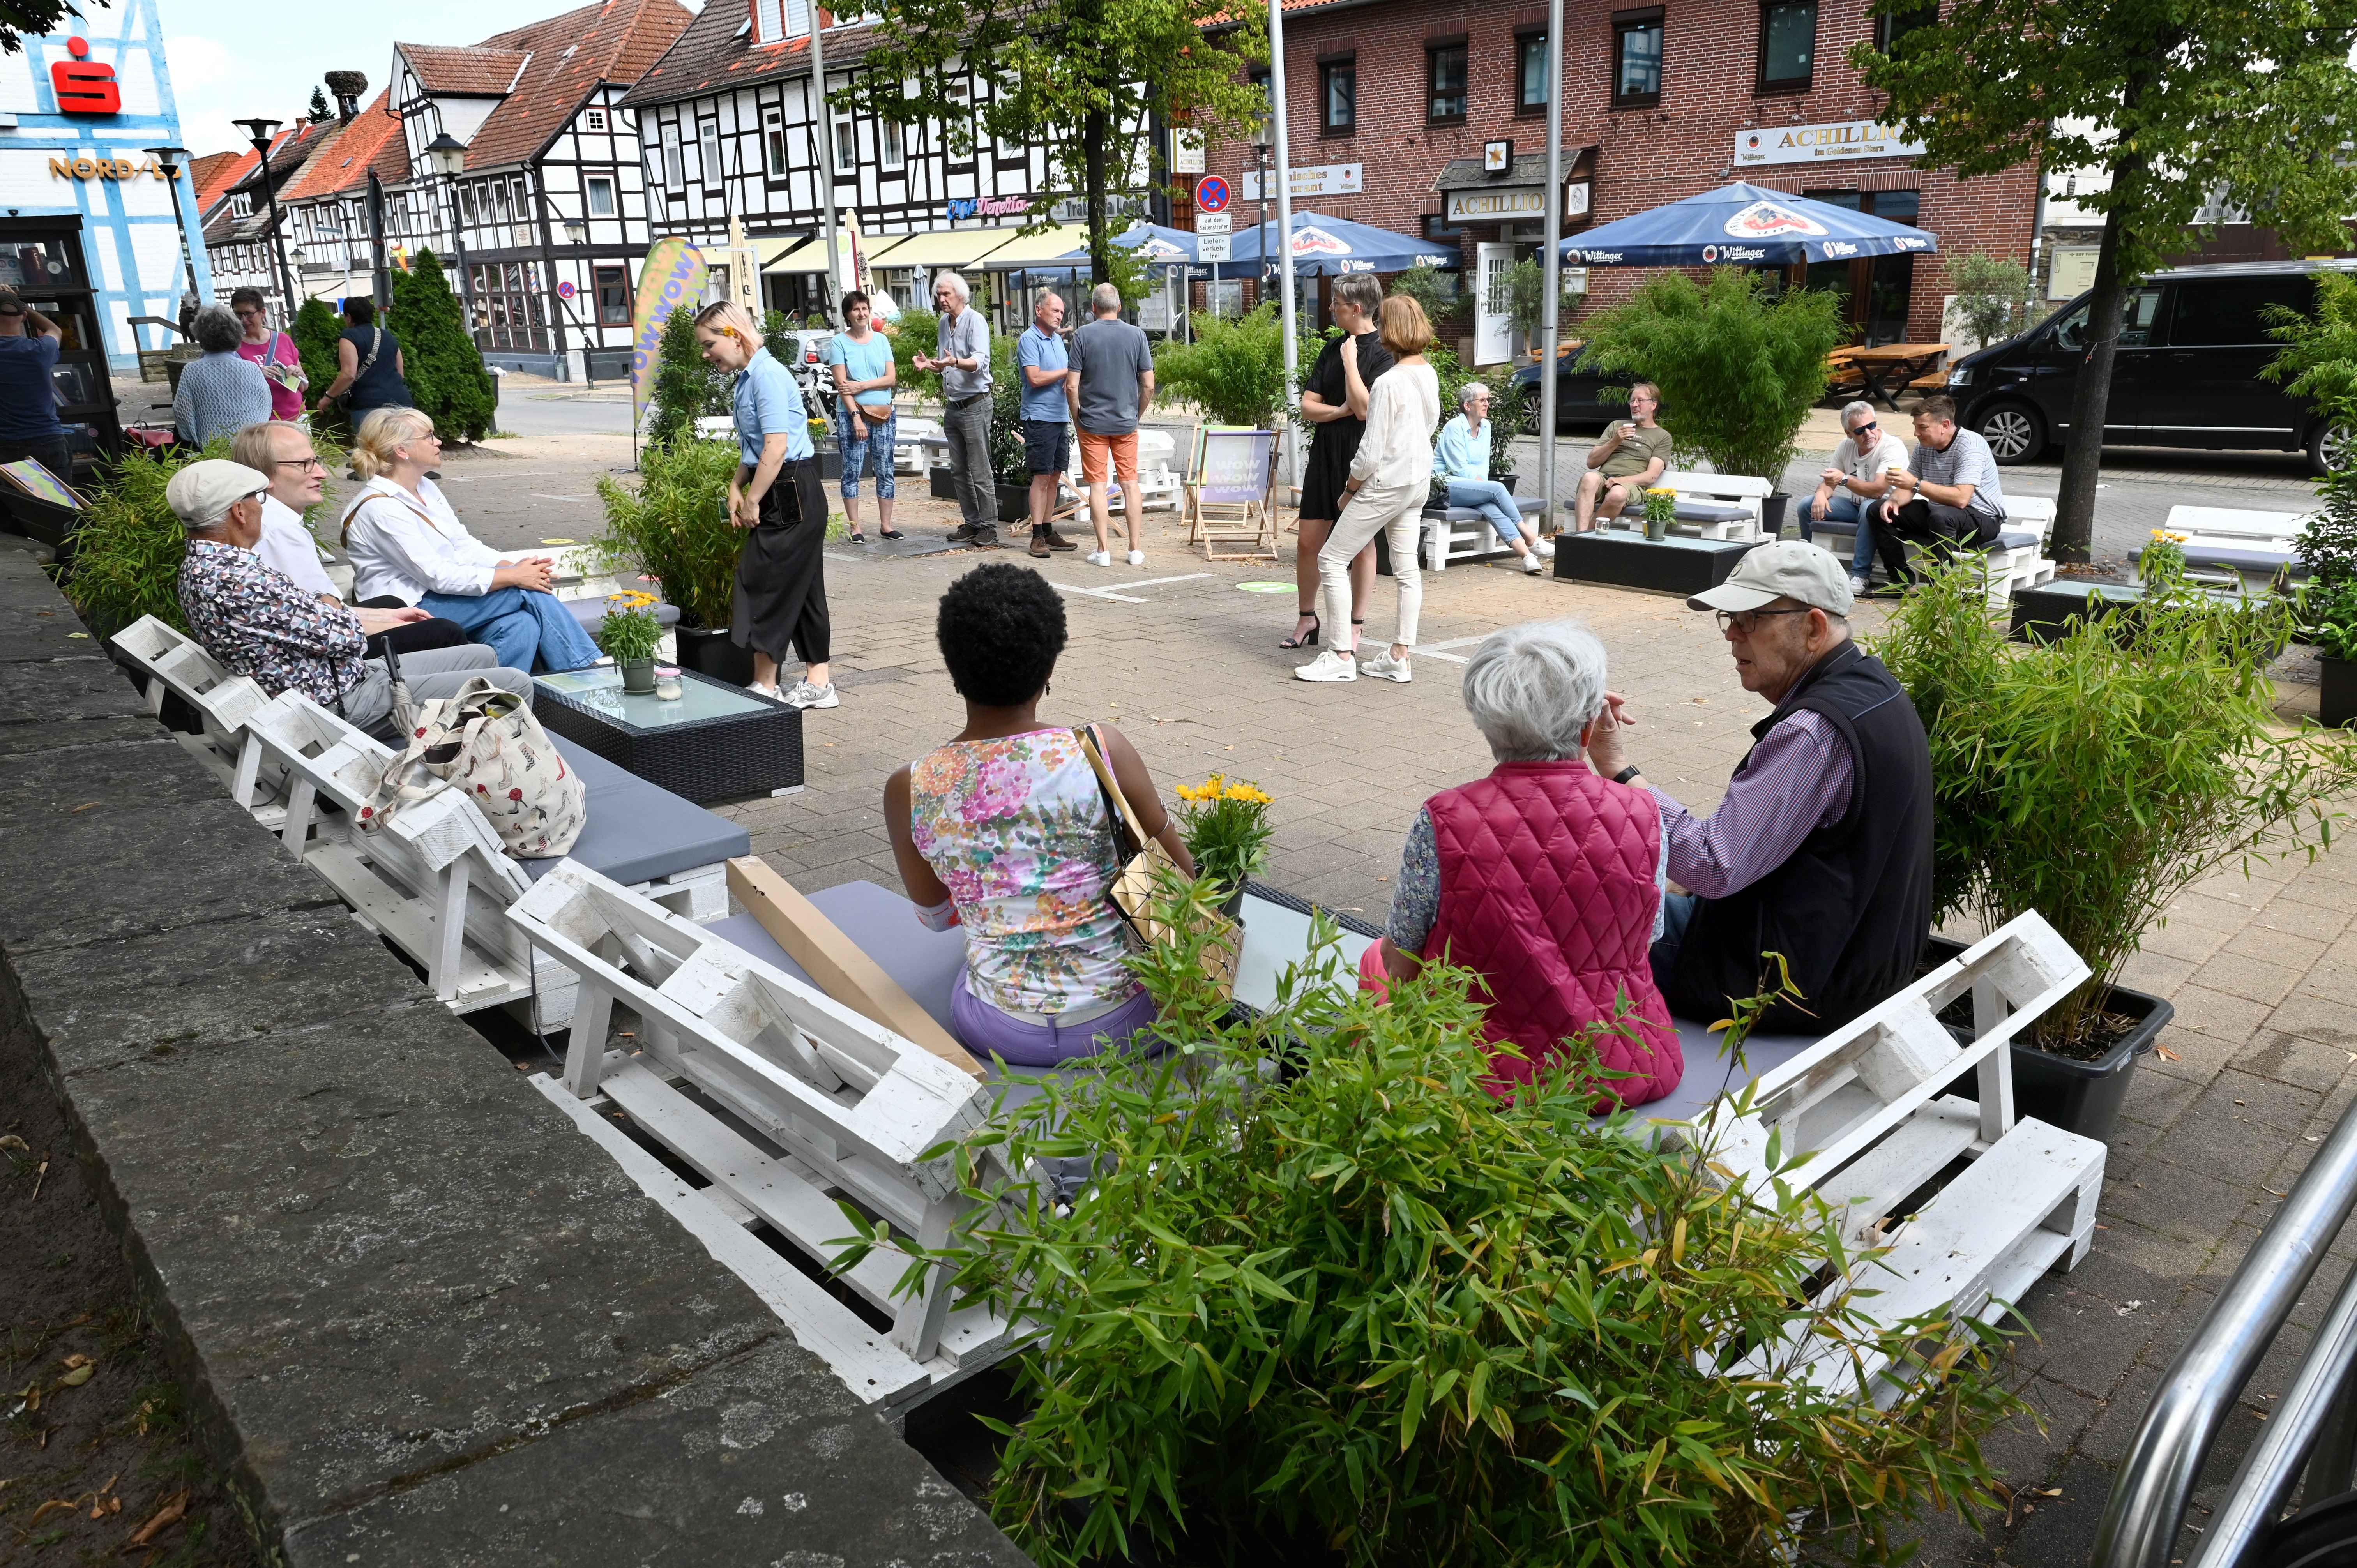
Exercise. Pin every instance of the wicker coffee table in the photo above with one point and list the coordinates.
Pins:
(714, 742)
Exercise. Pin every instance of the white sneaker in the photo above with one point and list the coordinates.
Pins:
(1384, 667)
(1532, 564)
(805, 695)
(1100, 558)
(759, 690)
(1327, 666)
(1859, 586)
(1137, 557)
(1544, 549)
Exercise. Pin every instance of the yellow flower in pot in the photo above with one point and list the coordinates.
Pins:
(1660, 509)
(630, 636)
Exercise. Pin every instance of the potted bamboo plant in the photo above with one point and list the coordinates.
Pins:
(675, 528)
(2331, 624)
(2092, 778)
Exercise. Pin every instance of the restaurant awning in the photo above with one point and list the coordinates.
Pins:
(936, 249)
(1042, 252)
(799, 254)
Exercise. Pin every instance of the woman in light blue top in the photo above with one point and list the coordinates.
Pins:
(1461, 457)
(864, 375)
(776, 497)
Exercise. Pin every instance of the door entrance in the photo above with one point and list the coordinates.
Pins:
(1494, 318)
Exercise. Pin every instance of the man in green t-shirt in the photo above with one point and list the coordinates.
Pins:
(1634, 453)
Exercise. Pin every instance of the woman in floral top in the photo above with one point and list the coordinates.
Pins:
(1006, 831)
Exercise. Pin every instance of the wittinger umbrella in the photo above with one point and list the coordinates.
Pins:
(1743, 225)
(1326, 246)
(1154, 244)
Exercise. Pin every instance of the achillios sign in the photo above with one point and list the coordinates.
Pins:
(1835, 142)
(673, 276)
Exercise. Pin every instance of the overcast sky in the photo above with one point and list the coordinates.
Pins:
(234, 58)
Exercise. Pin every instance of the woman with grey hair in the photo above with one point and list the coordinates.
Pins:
(1460, 461)
(223, 392)
(1543, 878)
(1334, 399)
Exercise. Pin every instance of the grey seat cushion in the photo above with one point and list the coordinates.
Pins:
(1710, 511)
(591, 613)
(2241, 559)
(638, 832)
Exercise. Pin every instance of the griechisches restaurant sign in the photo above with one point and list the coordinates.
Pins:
(1836, 141)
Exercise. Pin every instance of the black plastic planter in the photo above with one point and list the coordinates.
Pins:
(2078, 1097)
(712, 653)
(2336, 701)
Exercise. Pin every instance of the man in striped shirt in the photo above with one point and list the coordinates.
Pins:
(1821, 849)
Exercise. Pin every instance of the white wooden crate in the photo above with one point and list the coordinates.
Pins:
(175, 663)
(857, 1111)
(1868, 1100)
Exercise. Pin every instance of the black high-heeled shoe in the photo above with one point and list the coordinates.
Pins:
(1311, 639)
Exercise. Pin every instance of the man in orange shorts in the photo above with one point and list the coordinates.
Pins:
(1109, 385)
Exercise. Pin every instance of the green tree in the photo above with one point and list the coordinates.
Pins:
(918, 331)
(1082, 79)
(319, 112)
(1739, 371)
(2180, 101)
(438, 357)
(315, 329)
(687, 389)
(1233, 371)
(18, 17)
(1992, 295)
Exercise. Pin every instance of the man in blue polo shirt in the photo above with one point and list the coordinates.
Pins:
(29, 427)
(1040, 359)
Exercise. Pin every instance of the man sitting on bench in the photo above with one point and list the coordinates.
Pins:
(259, 625)
(1950, 500)
(1821, 850)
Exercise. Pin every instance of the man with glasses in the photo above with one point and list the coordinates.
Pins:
(29, 427)
(297, 483)
(271, 353)
(1821, 849)
(1632, 454)
(1858, 475)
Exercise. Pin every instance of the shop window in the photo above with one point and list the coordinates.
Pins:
(613, 297)
(601, 196)
(1436, 226)
(1530, 73)
(1788, 45)
(1443, 71)
(1637, 58)
(1890, 30)
(1338, 97)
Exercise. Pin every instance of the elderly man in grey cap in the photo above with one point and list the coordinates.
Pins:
(260, 624)
(1821, 849)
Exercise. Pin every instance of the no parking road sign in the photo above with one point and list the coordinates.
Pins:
(1212, 194)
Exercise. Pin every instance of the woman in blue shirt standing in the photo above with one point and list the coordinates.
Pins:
(864, 375)
(1461, 460)
(775, 495)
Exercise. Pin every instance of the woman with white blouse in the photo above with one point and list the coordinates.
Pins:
(1390, 479)
(407, 543)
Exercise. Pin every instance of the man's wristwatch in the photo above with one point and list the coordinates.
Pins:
(1627, 773)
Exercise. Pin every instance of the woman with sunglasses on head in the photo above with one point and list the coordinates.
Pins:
(776, 497)
(1857, 477)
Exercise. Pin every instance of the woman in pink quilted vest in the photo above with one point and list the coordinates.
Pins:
(1542, 877)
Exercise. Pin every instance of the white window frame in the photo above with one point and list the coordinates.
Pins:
(595, 186)
(891, 145)
(847, 142)
(674, 159)
(708, 157)
(595, 120)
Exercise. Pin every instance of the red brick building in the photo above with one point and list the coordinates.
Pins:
(1394, 100)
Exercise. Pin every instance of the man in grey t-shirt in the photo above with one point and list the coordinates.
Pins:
(1950, 499)
(1109, 385)
(964, 361)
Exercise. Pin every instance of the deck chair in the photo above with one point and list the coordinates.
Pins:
(175, 663)
(1231, 500)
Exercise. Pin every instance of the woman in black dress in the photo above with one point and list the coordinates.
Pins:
(1335, 401)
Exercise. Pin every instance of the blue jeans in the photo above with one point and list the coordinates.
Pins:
(1494, 500)
(875, 452)
(519, 625)
(1843, 507)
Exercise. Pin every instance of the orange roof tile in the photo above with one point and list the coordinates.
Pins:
(342, 163)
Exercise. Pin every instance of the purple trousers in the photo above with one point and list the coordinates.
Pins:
(987, 1032)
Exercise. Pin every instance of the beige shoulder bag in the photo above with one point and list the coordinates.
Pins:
(1142, 858)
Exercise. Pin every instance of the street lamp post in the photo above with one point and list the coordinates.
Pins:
(259, 131)
(166, 161)
(449, 156)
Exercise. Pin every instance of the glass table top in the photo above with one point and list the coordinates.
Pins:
(600, 691)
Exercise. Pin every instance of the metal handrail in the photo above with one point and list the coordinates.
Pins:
(2147, 1502)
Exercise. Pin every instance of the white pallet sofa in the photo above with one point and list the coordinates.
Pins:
(851, 1108)
(435, 882)
(1870, 1099)
(2226, 547)
(2017, 559)
(1714, 506)
(1452, 535)
(915, 443)
(172, 661)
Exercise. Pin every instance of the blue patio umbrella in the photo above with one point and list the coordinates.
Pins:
(1743, 225)
(1153, 243)
(1327, 247)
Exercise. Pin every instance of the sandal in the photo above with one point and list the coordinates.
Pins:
(1299, 641)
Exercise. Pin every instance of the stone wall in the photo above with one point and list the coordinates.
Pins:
(419, 1317)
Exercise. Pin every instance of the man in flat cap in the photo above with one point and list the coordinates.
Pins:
(1821, 849)
(260, 624)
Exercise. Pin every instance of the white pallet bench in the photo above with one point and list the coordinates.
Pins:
(1868, 1100)
(2243, 552)
(434, 881)
(175, 663)
(855, 1108)
(2018, 560)
(1734, 489)
(915, 442)
(1456, 534)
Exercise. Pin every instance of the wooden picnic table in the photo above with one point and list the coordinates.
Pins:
(1878, 367)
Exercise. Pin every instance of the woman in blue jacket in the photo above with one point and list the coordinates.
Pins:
(1461, 457)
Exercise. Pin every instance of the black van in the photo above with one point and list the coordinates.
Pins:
(2192, 342)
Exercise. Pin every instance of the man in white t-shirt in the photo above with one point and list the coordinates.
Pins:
(1858, 475)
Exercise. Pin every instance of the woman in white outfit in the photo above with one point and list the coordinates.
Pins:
(1390, 477)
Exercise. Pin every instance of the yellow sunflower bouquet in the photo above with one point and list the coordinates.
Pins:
(1227, 828)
